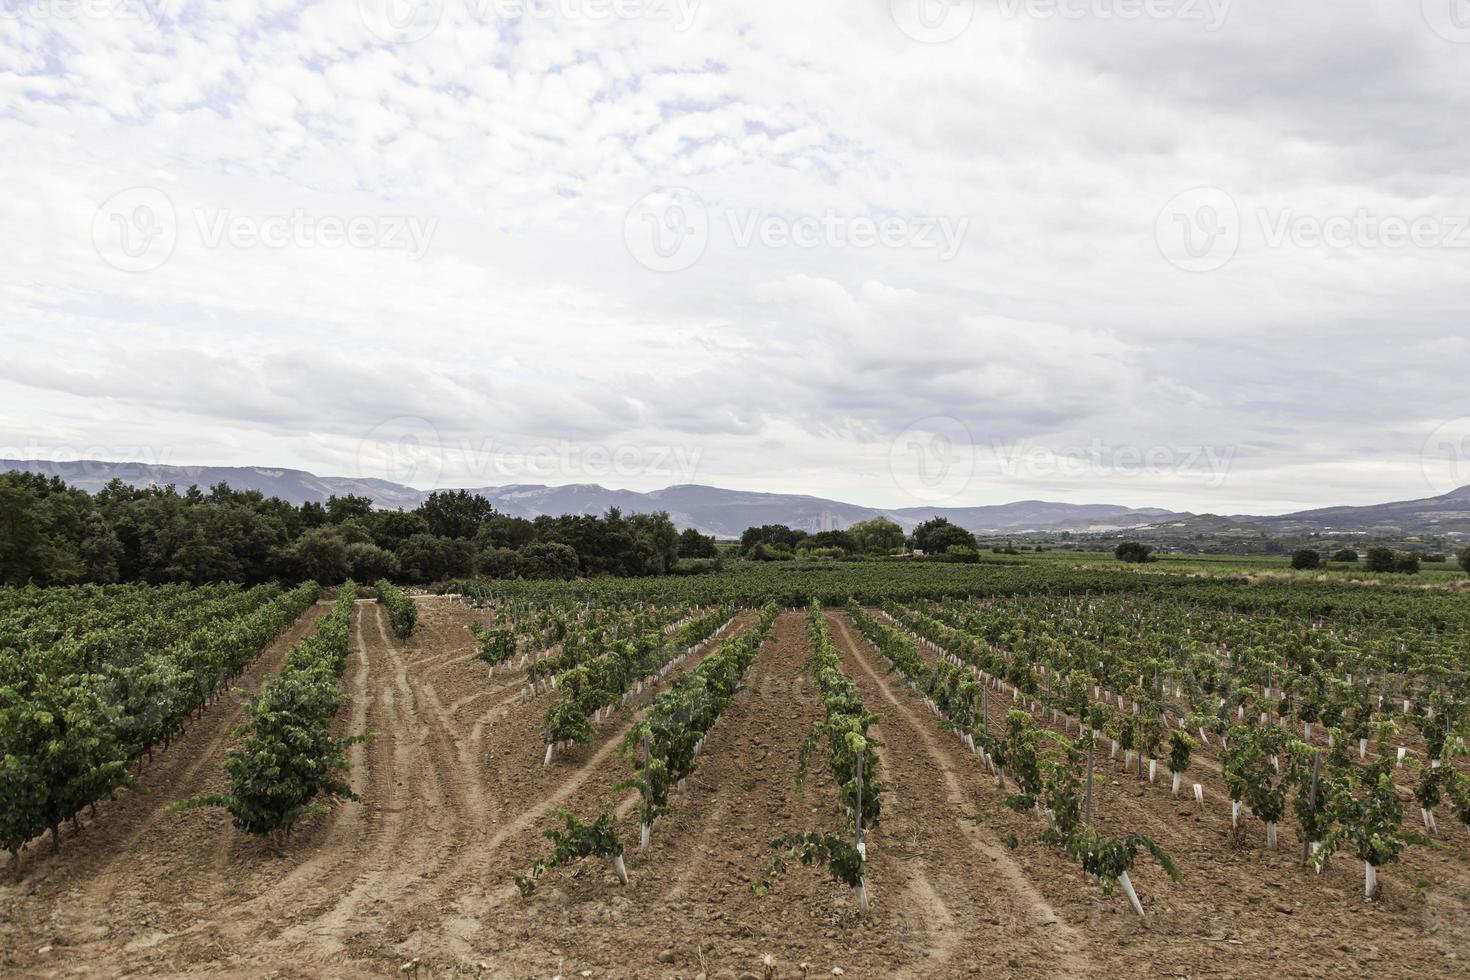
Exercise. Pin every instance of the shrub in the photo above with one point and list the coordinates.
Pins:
(402, 613)
(1134, 551)
(1306, 558)
(1380, 560)
(1346, 555)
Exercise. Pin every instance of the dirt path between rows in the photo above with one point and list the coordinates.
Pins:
(454, 801)
(1244, 910)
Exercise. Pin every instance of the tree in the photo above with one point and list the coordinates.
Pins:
(321, 555)
(20, 528)
(1464, 559)
(937, 536)
(692, 544)
(879, 536)
(99, 550)
(776, 535)
(495, 562)
(368, 563)
(1346, 555)
(1134, 551)
(455, 513)
(423, 558)
(546, 560)
(393, 527)
(1380, 560)
(656, 544)
(1305, 558)
(349, 507)
(832, 539)
(1407, 564)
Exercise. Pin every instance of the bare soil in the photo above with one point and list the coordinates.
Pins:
(454, 800)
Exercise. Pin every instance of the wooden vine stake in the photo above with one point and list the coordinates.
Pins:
(1087, 796)
(861, 889)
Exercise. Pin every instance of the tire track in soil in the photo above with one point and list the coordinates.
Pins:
(741, 797)
(580, 779)
(419, 791)
(1045, 937)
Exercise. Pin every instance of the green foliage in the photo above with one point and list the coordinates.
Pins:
(91, 678)
(289, 764)
(844, 728)
(1365, 809)
(1109, 858)
(1305, 558)
(573, 842)
(1181, 744)
(937, 536)
(841, 858)
(402, 613)
(878, 536)
(692, 544)
(1250, 773)
(680, 717)
(1134, 552)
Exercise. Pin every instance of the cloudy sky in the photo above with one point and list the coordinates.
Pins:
(1203, 254)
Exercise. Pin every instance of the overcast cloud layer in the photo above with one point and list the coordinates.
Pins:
(1201, 254)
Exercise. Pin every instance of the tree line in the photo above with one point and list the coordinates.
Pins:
(875, 537)
(55, 534)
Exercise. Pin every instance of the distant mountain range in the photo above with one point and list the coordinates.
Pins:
(727, 513)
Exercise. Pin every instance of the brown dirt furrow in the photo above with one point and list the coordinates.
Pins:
(1244, 909)
(939, 815)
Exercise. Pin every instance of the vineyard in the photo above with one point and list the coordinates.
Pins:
(882, 770)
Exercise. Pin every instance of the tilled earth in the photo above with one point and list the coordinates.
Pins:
(454, 800)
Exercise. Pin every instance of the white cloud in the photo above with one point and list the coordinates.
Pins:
(1057, 321)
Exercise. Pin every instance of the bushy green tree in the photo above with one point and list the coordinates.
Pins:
(936, 536)
(879, 536)
(1380, 559)
(692, 544)
(1305, 559)
(1134, 552)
